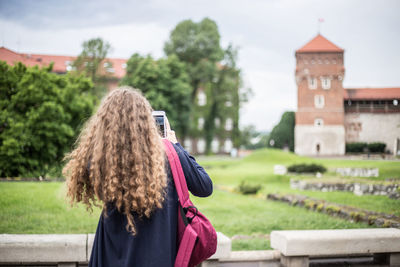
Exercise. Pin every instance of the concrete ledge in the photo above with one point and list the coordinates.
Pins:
(90, 245)
(43, 248)
(224, 247)
(336, 242)
(53, 248)
(253, 255)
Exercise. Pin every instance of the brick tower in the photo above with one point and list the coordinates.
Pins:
(319, 126)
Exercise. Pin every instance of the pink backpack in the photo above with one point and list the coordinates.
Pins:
(197, 238)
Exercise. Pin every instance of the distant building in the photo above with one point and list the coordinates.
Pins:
(329, 116)
(225, 125)
(114, 67)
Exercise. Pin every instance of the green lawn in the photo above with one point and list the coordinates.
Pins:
(32, 207)
(258, 168)
(40, 208)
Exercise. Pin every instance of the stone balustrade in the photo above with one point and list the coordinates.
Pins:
(65, 249)
(292, 248)
(298, 248)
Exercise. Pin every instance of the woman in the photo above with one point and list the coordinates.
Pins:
(120, 162)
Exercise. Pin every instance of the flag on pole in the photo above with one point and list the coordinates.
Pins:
(321, 20)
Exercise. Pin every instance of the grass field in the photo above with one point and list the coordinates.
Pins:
(32, 207)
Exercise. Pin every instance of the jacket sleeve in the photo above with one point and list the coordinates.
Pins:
(197, 179)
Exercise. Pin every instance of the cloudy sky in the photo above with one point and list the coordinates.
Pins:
(266, 31)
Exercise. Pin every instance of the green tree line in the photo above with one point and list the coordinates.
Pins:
(43, 112)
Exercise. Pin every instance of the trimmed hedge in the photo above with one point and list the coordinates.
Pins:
(361, 147)
(248, 189)
(356, 147)
(306, 168)
(377, 147)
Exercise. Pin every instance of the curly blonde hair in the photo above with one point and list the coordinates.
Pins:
(127, 160)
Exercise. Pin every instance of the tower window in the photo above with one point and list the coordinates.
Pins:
(325, 83)
(217, 122)
(201, 145)
(201, 98)
(188, 144)
(228, 124)
(228, 145)
(318, 122)
(200, 123)
(312, 83)
(319, 101)
(215, 145)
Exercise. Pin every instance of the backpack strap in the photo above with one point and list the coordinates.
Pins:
(177, 173)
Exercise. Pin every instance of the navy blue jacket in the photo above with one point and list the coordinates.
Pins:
(155, 243)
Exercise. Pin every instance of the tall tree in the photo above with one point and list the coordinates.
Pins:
(282, 135)
(224, 88)
(90, 62)
(198, 45)
(41, 114)
(213, 70)
(165, 84)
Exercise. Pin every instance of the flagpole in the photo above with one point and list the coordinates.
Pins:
(320, 20)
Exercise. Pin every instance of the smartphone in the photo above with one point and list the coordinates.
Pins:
(159, 117)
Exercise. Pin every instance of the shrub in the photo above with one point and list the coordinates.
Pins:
(356, 147)
(371, 219)
(387, 223)
(377, 147)
(41, 115)
(320, 207)
(247, 188)
(357, 216)
(310, 204)
(306, 168)
(332, 209)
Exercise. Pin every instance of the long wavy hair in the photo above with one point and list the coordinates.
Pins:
(123, 148)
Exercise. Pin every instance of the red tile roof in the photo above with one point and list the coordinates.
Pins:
(60, 62)
(371, 93)
(319, 44)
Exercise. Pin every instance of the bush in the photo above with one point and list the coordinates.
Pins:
(357, 216)
(371, 219)
(246, 188)
(377, 147)
(306, 168)
(310, 204)
(320, 207)
(331, 209)
(356, 147)
(41, 115)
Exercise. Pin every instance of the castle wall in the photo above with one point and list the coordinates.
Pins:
(373, 127)
(329, 139)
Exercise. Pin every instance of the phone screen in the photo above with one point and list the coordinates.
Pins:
(161, 124)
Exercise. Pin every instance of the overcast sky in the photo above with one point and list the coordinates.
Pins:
(267, 33)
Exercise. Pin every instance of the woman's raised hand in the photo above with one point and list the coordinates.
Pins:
(170, 133)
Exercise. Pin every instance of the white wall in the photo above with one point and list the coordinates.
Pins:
(373, 127)
(330, 139)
